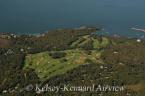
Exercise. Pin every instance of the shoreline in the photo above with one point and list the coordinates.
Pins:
(92, 29)
(137, 29)
(57, 29)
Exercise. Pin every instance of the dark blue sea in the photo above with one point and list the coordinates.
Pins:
(37, 16)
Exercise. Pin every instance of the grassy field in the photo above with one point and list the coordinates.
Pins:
(45, 66)
(95, 42)
(103, 44)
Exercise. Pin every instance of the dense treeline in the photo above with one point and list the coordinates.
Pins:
(57, 55)
(53, 40)
(12, 76)
(128, 52)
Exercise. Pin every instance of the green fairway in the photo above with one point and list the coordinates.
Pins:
(96, 44)
(51, 63)
(45, 66)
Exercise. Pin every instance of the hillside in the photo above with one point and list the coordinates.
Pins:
(75, 57)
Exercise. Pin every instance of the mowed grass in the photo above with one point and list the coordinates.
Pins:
(103, 44)
(81, 41)
(45, 66)
(96, 43)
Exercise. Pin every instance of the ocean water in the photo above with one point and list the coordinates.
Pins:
(36, 16)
